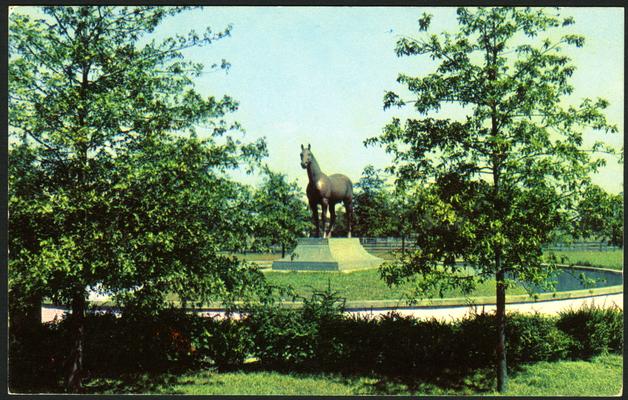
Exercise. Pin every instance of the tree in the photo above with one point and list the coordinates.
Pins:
(282, 215)
(107, 192)
(600, 214)
(496, 181)
(373, 209)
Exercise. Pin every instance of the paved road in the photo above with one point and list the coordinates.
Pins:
(48, 313)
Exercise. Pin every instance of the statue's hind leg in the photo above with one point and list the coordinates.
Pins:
(332, 219)
(324, 207)
(349, 212)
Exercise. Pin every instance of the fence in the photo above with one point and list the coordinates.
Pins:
(391, 244)
(388, 244)
(377, 245)
(581, 246)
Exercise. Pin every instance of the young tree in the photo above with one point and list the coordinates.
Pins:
(497, 180)
(373, 208)
(103, 195)
(282, 215)
(600, 214)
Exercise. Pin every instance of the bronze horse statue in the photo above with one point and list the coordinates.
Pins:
(326, 191)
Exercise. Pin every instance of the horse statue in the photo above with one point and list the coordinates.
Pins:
(326, 191)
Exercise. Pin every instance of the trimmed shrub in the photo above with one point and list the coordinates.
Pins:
(529, 338)
(349, 344)
(475, 340)
(532, 338)
(315, 337)
(408, 346)
(593, 330)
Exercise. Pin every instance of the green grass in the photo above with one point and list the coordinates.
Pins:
(613, 259)
(605, 259)
(602, 376)
(361, 285)
(366, 285)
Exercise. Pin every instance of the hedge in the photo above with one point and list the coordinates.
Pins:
(318, 337)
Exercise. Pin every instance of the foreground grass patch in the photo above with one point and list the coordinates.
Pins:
(613, 259)
(602, 376)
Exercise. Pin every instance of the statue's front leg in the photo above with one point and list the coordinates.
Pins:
(314, 208)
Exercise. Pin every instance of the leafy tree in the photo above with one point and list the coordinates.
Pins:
(600, 214)
(381, 211)
(373, 209)
(103, 194)
(496, 181)
(282, 215)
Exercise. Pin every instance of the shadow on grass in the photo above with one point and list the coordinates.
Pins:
(440, 382)
(446, 382)
(129, 383)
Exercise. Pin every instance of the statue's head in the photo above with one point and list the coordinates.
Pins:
(306, 156)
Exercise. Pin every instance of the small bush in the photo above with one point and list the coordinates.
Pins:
(532, 338)
(593, 330)
(224, 343)
(282, 336)
(291, 337)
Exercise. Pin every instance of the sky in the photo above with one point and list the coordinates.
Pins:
(317, 75)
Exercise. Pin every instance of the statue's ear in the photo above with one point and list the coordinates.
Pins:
(301, 147)
(309, 146)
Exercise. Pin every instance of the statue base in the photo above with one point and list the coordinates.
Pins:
(331, 254)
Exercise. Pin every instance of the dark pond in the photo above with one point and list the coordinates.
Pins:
(580, 278)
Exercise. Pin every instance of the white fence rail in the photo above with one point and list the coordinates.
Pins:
(388, 244)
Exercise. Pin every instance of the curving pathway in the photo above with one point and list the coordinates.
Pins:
(550, 307)
(48, 313)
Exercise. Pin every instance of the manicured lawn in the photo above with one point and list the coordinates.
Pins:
(362, 285)
(606, 259)
(367, 285)
(601, 376)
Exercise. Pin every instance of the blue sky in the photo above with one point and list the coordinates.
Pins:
(318, 75)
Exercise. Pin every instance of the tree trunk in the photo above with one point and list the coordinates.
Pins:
(75, 367)
(403, 244)
(283, 250)
(502, 372)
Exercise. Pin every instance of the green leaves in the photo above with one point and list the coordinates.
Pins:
(495, 183)
(424, 21)
(106, 190)
(279, 211)
(601, 215)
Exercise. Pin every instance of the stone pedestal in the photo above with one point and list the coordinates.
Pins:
(333, 254)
